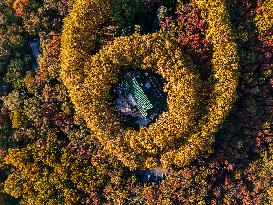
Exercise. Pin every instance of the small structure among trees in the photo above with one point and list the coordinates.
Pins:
(140, 96)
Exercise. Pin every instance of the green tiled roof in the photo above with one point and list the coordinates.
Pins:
(141, 98)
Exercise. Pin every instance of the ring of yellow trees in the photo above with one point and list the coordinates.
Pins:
(175, 138)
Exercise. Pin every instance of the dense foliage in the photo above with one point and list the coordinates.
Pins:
(146, 52)
(49, 155)
(92, 99)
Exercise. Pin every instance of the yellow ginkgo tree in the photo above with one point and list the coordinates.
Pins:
(178, 136)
